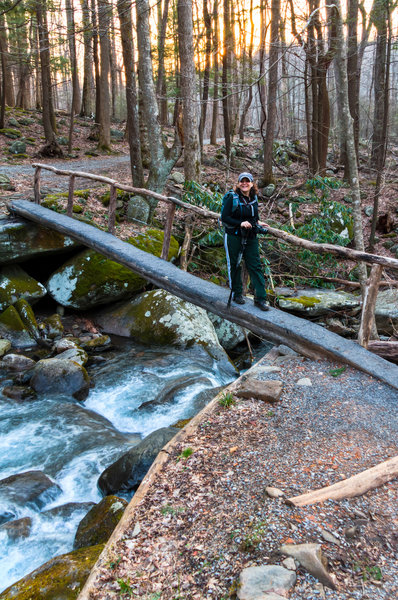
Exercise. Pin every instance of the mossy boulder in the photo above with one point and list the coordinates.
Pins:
(15, 284)
(27, 317)
(11, 133)
(13, 329)
(318, 302)
(152, 241)
(97, 526)
(53, 326)
(60, 376)
(129, 470)
(17, 147)
(18, 529)
(138, 209)
(159, 318)
(78, 355)
(61, 578)
(90, 279)
(20, 241)
(5, 183)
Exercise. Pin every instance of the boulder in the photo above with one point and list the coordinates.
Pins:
(78, 355)
(18, 529)
(65, 511)
(18, 392)
(58, 376)
(318, 302)
(128, 471)
(89, 279)
(60, 578)
(5, 346)
(18, 362)
(15, 284)
(265, 582)
(96, 527)
(138, 209)
(386, 311)
(159, 318)
(27, 317)
(229, 334)
(5, 183)
(53, 326)
(17, 147)
(13, 329)
(20, 241)
(32, 488)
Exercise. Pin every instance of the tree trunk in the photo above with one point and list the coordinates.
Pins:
(161, 91)
(104, 122)
(133, 128)
(272, 90)
(7, 81)
(226, 67)
(87, 94)
(70, 19)
(214, 119)
(341, 63)
(250, 71)
(51, 147)
(206, 75)
(188, 91)
(96, 62)
(162, 159)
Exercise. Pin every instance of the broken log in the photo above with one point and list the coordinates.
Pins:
(368, 307)
(353, 486)
(387, 350)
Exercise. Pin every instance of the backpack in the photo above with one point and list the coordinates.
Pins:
(235, 204)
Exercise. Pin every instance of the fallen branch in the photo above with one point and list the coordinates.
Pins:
(353, 486)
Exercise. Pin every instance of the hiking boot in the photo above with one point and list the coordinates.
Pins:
(261, 304)
(238, 298)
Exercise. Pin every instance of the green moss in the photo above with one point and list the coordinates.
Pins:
(10, 133)
(61, 578)
(98, 524)
(120, 195)
(77, 209)
(82, 193)
(181, 423)
(152, 241)
(27, 316)
(306, 301)
(11, 320)
(15, 284)
(54, 326)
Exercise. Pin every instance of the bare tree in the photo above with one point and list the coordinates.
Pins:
(272, 92)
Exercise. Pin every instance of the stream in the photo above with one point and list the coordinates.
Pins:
(137, 390)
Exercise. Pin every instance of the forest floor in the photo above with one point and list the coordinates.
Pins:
(206, 514)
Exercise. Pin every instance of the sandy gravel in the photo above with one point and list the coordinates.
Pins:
(208, 516)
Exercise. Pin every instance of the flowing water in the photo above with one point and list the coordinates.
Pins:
(136, 391)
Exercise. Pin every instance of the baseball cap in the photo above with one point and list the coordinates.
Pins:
(248, 176)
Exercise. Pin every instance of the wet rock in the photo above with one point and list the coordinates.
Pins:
(32, 488)
(57, 376)
(78, 355)
(386, 311)
(268, 582)
(310, 558)
(159, 318)
(27, 317)
(60, 578)
(20, 241)
(65, 344)
(18, 362)
(318, 302)
(18, 392)
(65, 511)
(97, 526)
(5, 346)
(15, 284)
(18, 529)
(229, 334)
(96, 342)
(129, 470)
(13, 329)
(267, 391)
(53, 326)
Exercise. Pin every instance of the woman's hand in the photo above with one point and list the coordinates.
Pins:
(246, 225)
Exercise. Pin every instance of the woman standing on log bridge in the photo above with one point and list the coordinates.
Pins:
(239, 216)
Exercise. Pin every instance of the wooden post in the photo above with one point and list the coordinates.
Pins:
(36, 185)
(368, 307)
(167, 231)
(71, 191)
(112, 210)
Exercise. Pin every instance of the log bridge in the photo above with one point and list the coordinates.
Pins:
(278, 327)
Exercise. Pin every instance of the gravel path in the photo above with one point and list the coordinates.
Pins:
(208, 516)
